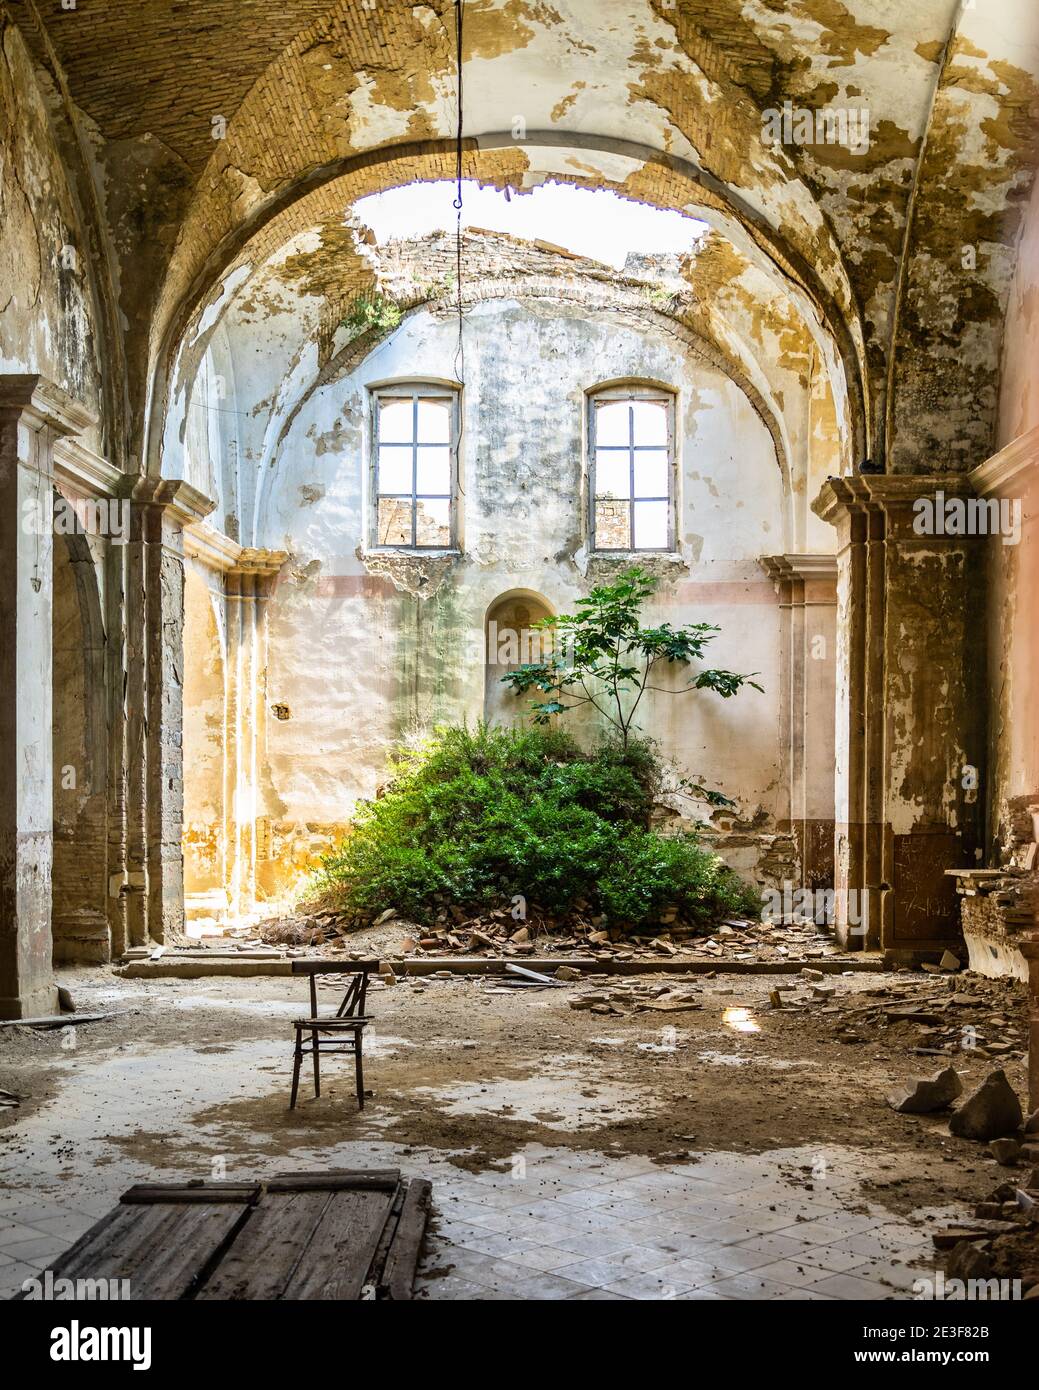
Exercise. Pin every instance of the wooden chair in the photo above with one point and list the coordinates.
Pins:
(344, 1029)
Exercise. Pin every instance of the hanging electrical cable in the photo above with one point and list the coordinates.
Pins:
(460, 349)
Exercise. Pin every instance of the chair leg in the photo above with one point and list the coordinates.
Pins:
(297, 1059)
(317, 1066)
(359, 1070)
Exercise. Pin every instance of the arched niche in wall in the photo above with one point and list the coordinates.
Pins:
(79, 737)
(205, 713)
(511, 640)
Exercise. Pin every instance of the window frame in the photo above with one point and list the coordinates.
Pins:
(632, 391)
(417, 391)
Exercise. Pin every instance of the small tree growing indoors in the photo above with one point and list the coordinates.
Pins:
(604, 657)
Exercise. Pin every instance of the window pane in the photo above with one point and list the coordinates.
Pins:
(394, 521)
(651, 474)
(611, 423)
(434, 522)
(434, 470)
(650, 422)
(651, 525)
(394, 468)
(612, 473)
(612, 526)
(395, 420)
(434, 421)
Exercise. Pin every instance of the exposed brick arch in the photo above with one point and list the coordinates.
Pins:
(659, 181)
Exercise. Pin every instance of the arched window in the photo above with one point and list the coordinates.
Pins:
(631, 469)
(414, 467)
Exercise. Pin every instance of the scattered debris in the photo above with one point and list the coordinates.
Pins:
(532, 977)
(1003, 1242)
(60, 1020)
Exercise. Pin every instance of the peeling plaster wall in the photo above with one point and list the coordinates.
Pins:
(360, 660)
(46, 313)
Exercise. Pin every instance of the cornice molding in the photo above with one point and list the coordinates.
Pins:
(1021, 455)
(183, 502)
(44, 404)
(85, 473)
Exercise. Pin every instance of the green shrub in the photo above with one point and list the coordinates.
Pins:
(478, 816)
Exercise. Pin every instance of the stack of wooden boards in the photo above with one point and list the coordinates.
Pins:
(335, 1235)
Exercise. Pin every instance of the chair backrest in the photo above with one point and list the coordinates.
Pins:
(353, 1000)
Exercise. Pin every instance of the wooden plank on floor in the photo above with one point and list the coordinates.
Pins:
(337, 1260)
(403, 1256)
(361, 1179)
(375, 1273)
(160, 1249)
(145, 1193)
(268, 1248)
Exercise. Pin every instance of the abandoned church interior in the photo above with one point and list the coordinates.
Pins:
(519, 568)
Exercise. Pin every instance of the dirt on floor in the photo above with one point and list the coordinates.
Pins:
(474, 1070)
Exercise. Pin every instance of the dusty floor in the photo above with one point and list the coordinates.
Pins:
(573, 1154)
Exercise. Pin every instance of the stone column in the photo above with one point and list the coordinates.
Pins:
(247, 586)
(155, 657)
(910, 739)
(33, 415)
(807, 588)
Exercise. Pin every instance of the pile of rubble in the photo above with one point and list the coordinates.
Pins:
(496, 933)
(1002, 1242)
(932, 1015)
(638, 998)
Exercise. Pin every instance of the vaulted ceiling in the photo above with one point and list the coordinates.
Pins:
(904, 251)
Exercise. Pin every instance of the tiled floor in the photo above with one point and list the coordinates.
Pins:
(730, 1226)
(583, 1225)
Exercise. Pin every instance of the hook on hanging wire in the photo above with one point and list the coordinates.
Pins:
(459, 22)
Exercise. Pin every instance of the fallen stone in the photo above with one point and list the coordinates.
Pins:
(928, 1094)
(1005, 1151)
(567, 972)
(992, 1112)
(385, 916)
(969, 1261)
(949, 961)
